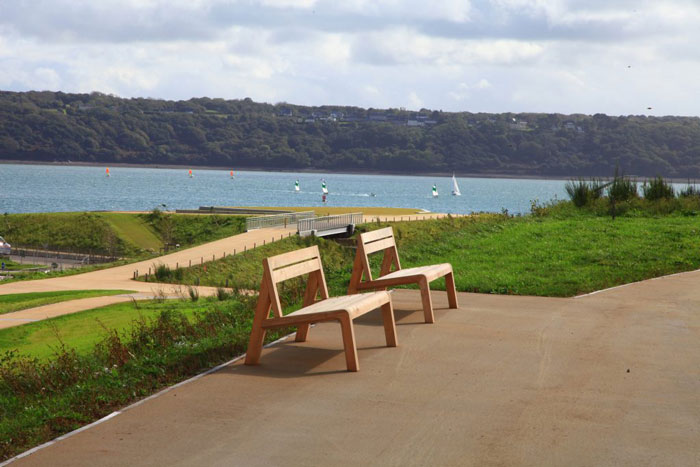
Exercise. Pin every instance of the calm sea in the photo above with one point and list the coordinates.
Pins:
(46, 188)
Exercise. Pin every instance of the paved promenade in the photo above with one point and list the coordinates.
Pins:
(611, 378)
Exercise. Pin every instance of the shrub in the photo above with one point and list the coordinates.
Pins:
(690, 191)
(582, 192)
(222, 294)
(162, 273)
(194, 293)
(657, 189)
(622, 188)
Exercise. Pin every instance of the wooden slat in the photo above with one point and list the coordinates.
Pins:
(295, 270)
(292, 257)
(379, 245)
(377, 234)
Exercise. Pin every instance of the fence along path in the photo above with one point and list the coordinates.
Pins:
(277, 220)
(328, 225)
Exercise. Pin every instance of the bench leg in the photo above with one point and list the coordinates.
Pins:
(349, 343)
(255, 345)
(427, 302)
(389, 325)
(302, 332)
(451, 290)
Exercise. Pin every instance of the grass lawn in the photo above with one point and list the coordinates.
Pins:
(331, 210)
(84, 329)
(133, 229)
(555, 257)
(22, 301)
(547, 256)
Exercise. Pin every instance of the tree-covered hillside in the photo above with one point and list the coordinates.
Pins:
(55, 126)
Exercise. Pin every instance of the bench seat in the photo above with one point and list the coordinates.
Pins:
(332, 308)
(430, 273)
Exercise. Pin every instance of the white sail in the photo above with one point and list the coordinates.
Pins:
(455, 187)
(435, 192)
(296, 186)
(324, 189)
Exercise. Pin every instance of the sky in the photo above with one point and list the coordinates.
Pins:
(616, 57)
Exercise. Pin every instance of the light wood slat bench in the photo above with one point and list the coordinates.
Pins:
(343, 309)
(383, 240)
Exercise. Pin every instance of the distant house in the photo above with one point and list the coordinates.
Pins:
(414, 123)
(285, 112)
(570, 125)
(518, 125)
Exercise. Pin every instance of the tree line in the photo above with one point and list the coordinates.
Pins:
(56, 126)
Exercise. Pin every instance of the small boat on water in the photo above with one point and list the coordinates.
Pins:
(296, 186)
(107, 172)
(455, 187)
(324, 189)
(232, 174)
(435, 192)
(191, 173)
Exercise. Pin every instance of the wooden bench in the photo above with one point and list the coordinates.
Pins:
(383, 240)
(343, 309)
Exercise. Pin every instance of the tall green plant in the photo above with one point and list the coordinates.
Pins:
(583, 192)
(657, 188)
(621, 189)
(690, 191)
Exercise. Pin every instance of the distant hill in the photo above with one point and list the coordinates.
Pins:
(55, 126)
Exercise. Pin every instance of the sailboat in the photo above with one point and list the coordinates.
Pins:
(232, 174)
(435, 192)
(296, 186)
(191, 173)
(107, 172)
(455, 187)
(324, 189)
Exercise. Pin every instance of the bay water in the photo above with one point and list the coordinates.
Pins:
(56, 188)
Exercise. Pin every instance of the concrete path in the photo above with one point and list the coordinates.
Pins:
(607, 379)
(120, 278)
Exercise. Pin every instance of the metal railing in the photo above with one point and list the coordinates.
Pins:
(319, 224)
(276, 220)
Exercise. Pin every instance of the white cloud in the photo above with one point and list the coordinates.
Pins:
(487, 55)
(289, 3)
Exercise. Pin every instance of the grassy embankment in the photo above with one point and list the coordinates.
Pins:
(558, 251)
(22, 301)
(562, 254)
(129, 236)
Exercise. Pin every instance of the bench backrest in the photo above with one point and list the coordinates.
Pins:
(368, 243)
(286, 266)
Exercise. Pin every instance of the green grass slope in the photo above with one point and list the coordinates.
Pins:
(22, 301)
